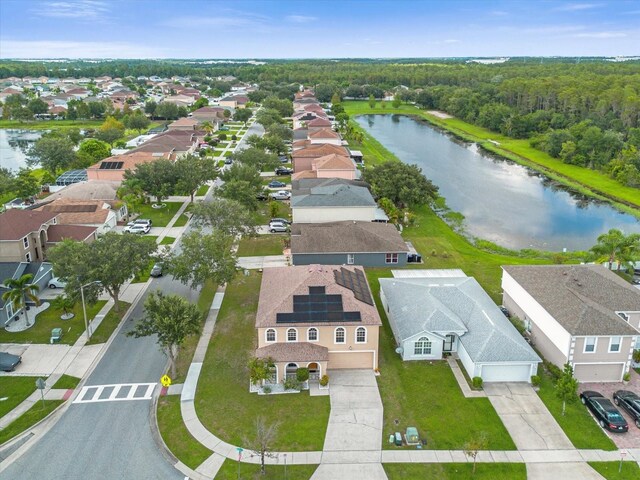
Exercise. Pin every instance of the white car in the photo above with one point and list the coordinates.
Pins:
(137, 228)
(280, 195)
(55, 282)
(278, 227)
(140, 221)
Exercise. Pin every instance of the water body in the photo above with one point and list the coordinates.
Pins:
(14, 147)
(502, 201)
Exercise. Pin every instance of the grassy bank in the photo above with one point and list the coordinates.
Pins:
(15, 390)
(50, 124)
(588, 182)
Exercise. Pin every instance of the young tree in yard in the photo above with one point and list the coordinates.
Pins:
(53, 153)
(474, 446)
(110, 130)
(262, 443)
(335, 98)
(92, 151)
(112, 259)
(158, 179)
(567, 387)
(138, 121)
(242, 115)
(192, 172)
(172, 318)
(150, 108)
(226, 114)
(224, 216)
(372, 101)
(397, 100)
(19, 291)
(25, 184)
(403, 184)
(274, 208)
(203, 257)
(615, 246)
(260, 369)
(167, 110)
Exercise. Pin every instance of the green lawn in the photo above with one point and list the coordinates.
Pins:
(228, 153)
(577, 423)
(15, 389)
(181, 221)
(143, 275)
(587, 181)
(286, 179)
(202, 190)
(176, 436)
(224, 382)
(109, 323)
(260, 246)
(249, 471)
(49, 319)
(159, 216)
(50, 124)
(609, 470)
(28, 419)
(455, 471)
(167, 241)
(67, 382)
(263, 215)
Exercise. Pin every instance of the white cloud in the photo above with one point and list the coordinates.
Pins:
(600, 35)
(499, 13)
(218, 21)
(552, 29)
(575, 7)
(73, 49)
(300, 18)
(80, 9)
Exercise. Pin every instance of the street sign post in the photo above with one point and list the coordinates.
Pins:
(622, 454)
(41, 385)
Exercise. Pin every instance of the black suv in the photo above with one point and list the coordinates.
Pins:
(630, 402)
(283, 171)
(606, 414)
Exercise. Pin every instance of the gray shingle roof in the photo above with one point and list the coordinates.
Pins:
(454, 305)
(346, 237)
(582, 298)
(330, 193)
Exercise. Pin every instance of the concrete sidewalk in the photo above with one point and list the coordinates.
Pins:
(269, 261)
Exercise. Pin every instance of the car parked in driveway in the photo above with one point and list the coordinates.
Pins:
(276, 184)
(284, 171)
(280, 220)
(630, 402)
(281, 195)
(278, 227)
(604, 411)
(8, 361)
(141, 221)
(55, 282)
(139, 229)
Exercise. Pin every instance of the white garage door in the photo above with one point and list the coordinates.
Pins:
(506, 373)
(607, 372)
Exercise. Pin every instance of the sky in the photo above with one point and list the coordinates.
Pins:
(317, 29)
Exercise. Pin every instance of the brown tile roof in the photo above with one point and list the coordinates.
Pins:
(582, 298)
(78, 212)
(319, 122)
(294, 352)
(346, 237)
(320, 150)
(280, 284)
(324, 133)
(333, 162)
(184, 122)
(16, 224)
(57, 233)
(304, 174)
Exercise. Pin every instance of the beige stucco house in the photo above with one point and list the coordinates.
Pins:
(317, 317)
(584, 315)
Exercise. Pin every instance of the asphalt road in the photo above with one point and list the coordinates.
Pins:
(108, 440)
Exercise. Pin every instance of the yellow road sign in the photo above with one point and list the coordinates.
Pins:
(165, 380)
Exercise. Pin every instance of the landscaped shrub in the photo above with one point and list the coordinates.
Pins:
(302, 374)
(324, 381)
(292, 383)
(626, 377)
(555, 372)
(234, 138)
(535, 380)
(476, 382)
(222, 136)
(266, 390)
(636, 356)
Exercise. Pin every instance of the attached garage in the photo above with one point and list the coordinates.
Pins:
(351, 359)
(598, 372)
(507, 373)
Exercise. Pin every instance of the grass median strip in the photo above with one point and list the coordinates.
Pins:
(229, 471)
(611, 470)
(14, 390)
(456, 471)
(109, 324)
(67, 382)
(28, 419)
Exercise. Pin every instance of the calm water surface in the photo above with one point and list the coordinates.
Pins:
(14, 147)
(503, 202)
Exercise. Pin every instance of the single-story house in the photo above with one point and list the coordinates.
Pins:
(434, 315)
(42, 273)
(318, 317)
(584, 315)
(370, 244)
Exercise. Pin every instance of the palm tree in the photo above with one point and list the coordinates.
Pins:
(19, 291)
(207, 127)
(615, 246)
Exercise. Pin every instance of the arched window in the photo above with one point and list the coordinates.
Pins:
(270, 335)
(361, 335)
(312, 334)
(422, 346)
(340, 335)
(292, 335)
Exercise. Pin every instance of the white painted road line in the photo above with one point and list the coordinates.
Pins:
(96, 391)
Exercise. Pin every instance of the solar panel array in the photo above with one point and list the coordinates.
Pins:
(317, 307)
(356, 282)
(111, 165)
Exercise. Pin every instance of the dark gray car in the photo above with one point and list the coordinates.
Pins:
(8, 362)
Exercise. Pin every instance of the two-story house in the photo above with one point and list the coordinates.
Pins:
(584, 315)
(317, 317)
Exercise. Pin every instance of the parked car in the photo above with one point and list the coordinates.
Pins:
(55, 282)
(284, 171)
(504, 310)
(278, 227)
(262, 196)
(8, 361)
(630, 402)
(139, 229)
(280, 220)
(156, 271)
(276, 184)
(604, 411)
(283, 159)
(281, 195)
(228, 161)
(140, 221)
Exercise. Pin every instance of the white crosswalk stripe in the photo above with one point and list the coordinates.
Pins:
(115, 392)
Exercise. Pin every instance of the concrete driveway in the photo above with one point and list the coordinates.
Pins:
(525, 417)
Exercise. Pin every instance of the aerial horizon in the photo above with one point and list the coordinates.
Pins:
(96, 29)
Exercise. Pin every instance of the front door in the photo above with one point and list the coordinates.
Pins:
(447, 343)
